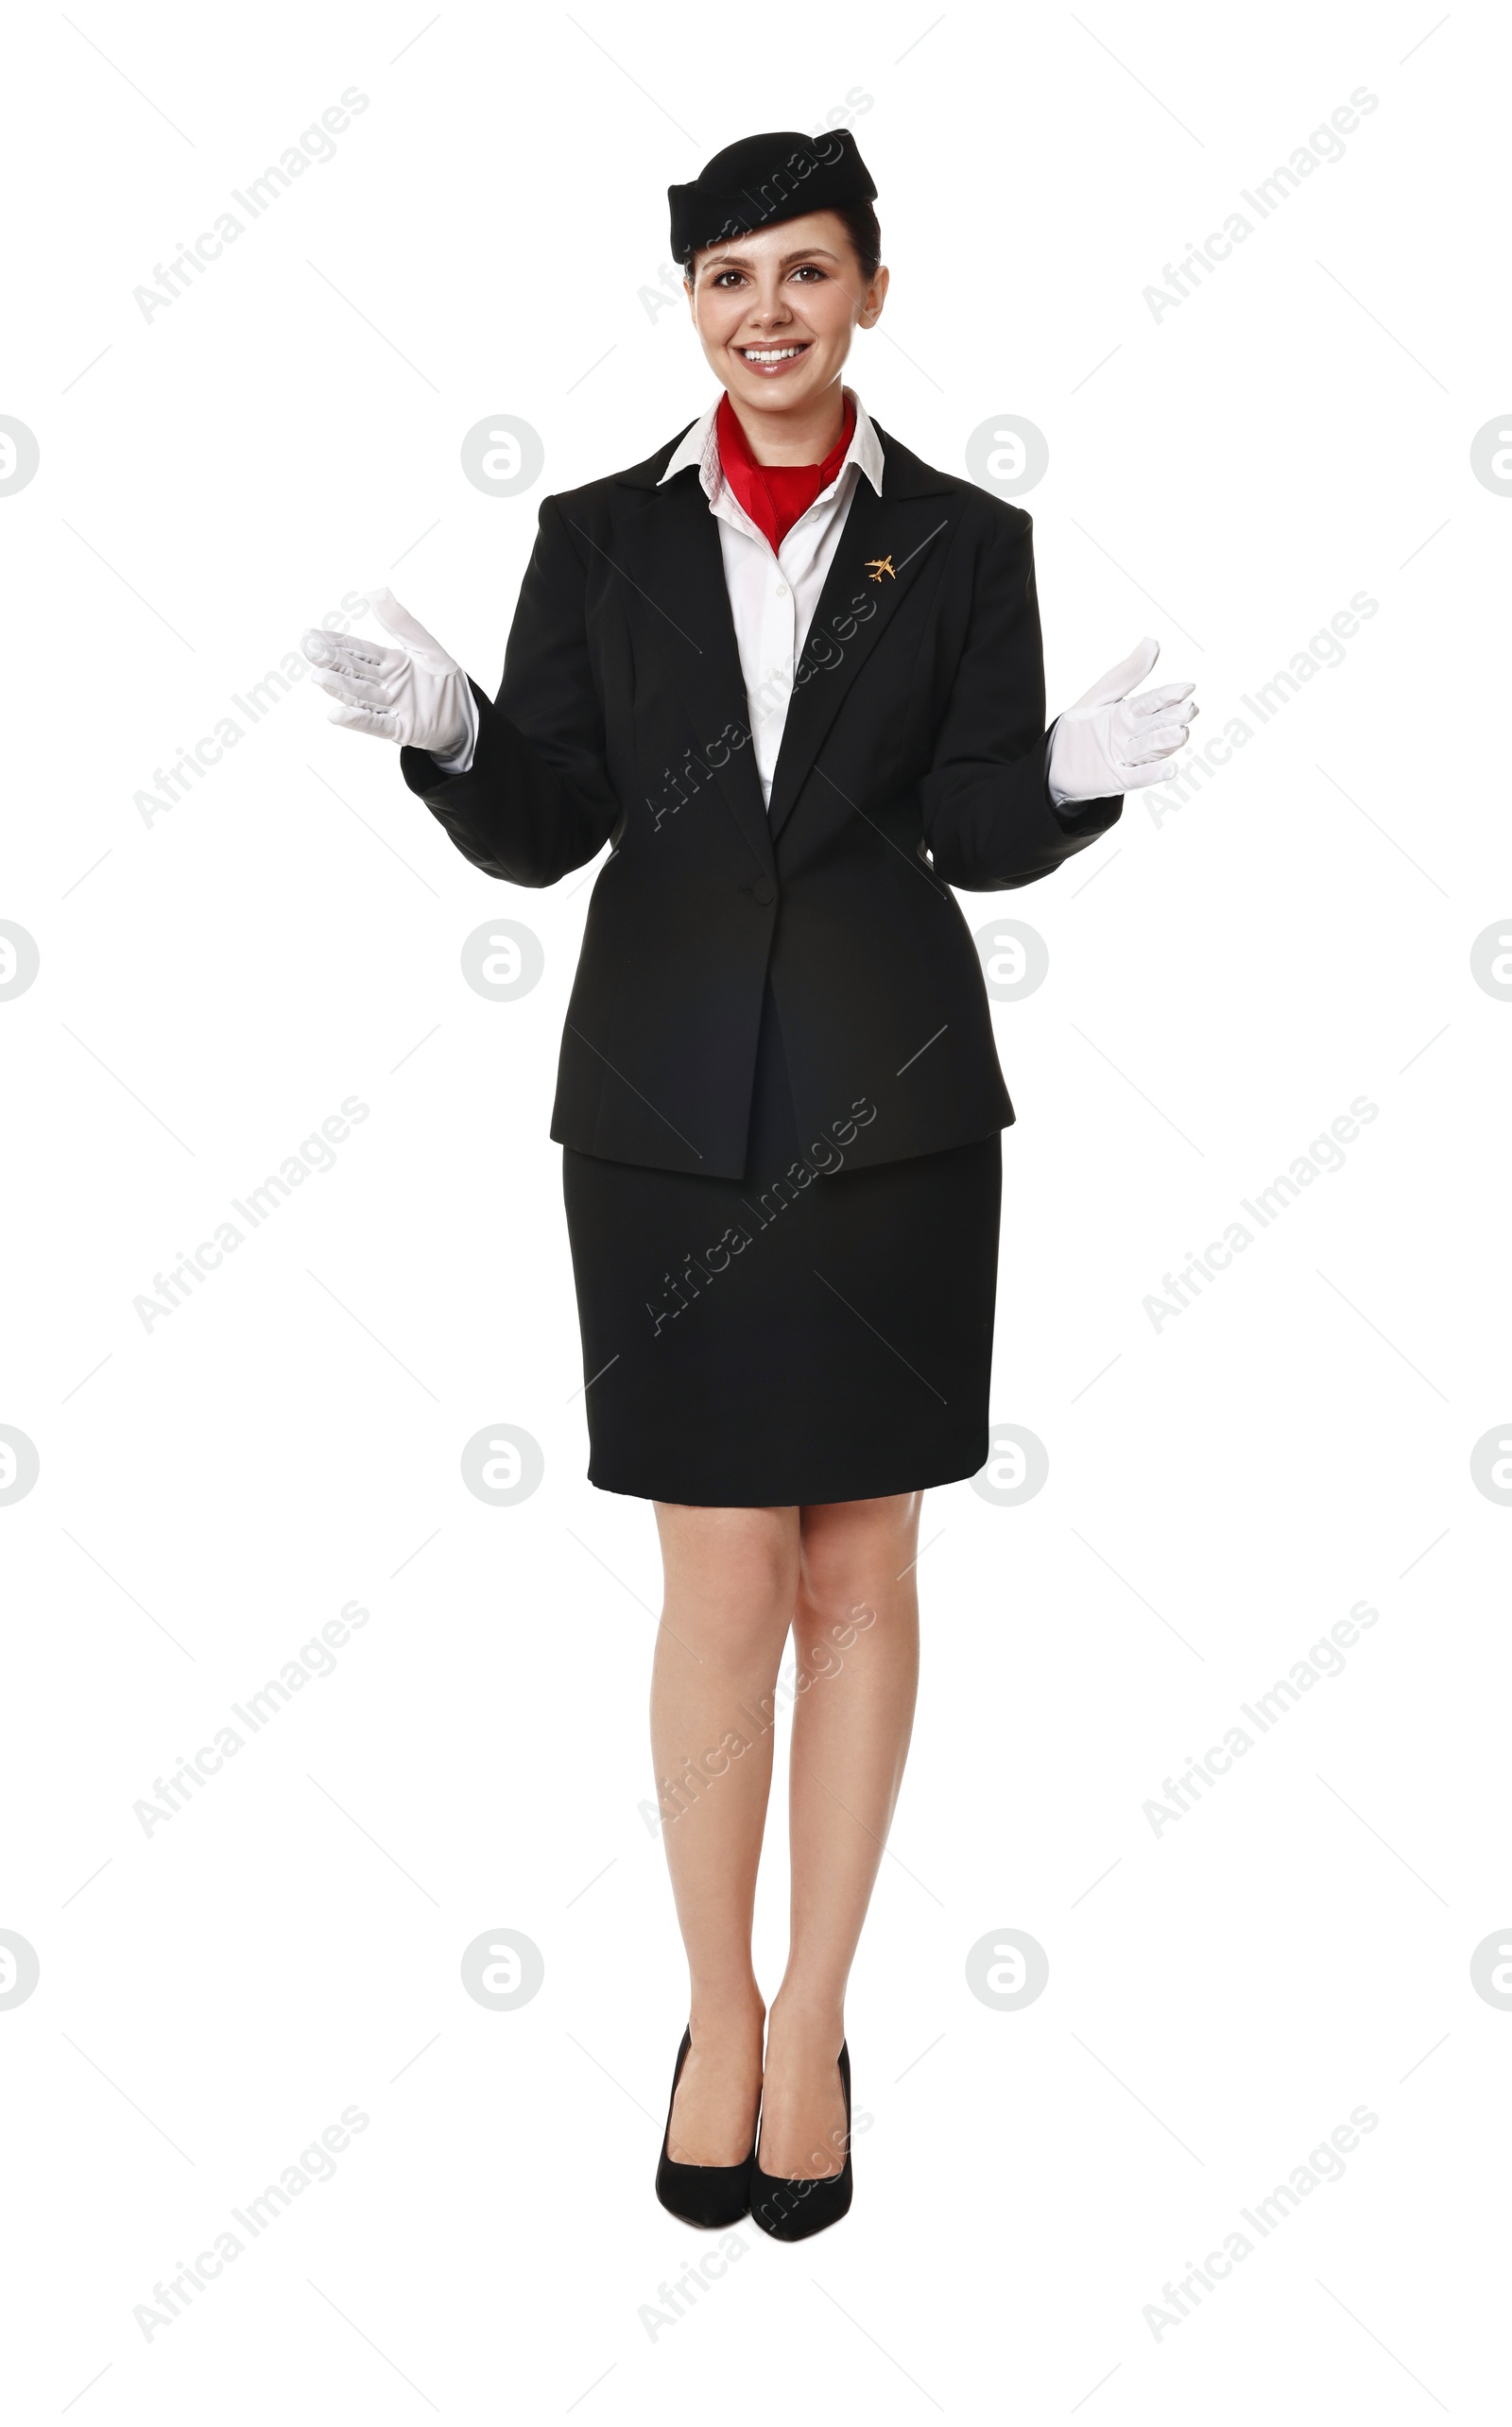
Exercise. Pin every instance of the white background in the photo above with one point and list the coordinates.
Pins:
(1224, 980)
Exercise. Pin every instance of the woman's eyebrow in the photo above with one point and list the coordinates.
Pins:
(786, 260)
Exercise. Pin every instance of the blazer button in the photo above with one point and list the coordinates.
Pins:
(763, 891)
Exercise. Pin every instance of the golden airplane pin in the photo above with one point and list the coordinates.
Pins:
(877, 566)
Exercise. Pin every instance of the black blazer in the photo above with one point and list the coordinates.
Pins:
(913, 758)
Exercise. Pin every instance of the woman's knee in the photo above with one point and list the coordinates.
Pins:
(731, 1574)
(857, 1555)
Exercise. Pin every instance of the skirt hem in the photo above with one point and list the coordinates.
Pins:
(836, 1488)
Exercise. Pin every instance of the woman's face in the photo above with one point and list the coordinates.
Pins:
(776, 311)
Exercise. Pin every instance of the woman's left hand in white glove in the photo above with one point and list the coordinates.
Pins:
(1108, 743)
(414, 694)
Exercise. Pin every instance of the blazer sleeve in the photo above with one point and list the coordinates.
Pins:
(536, 800)
(990, 822)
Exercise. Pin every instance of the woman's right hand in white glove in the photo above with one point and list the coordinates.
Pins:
(413, 694)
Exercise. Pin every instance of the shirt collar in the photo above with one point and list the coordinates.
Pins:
(701, 449)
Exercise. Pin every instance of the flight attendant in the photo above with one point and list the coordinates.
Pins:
(792, 676)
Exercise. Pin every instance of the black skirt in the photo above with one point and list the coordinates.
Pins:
(796, 1336)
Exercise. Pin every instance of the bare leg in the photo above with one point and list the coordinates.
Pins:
(856, 1638)
(731, 1580)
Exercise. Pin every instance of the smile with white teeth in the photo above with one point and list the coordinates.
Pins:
(772, 353)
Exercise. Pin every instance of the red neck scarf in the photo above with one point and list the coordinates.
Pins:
(775, 495)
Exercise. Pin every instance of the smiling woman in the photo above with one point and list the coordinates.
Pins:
(777, 307)
(792, 676)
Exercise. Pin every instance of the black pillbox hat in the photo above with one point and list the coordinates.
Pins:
(764, 178)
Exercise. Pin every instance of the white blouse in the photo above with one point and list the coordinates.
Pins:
(772, 599)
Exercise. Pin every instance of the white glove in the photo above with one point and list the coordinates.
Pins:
(1108, 743)
(413, 694)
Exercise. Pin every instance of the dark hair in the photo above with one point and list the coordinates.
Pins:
(858, 220)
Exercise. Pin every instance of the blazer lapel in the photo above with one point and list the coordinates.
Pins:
(887, 545)
(674, 560)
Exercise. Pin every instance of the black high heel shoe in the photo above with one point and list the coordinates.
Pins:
(791, 2211)
(708, 2196)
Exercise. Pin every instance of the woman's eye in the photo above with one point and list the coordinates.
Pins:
(809, 269)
